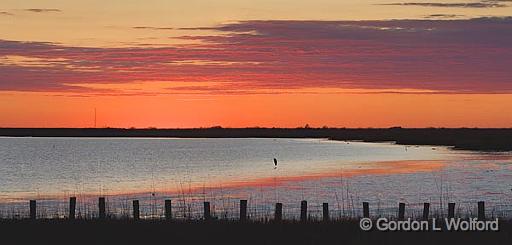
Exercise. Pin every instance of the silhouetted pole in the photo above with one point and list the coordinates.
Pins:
(136, 211)
(451, 210)
(426, 210)
(101, 207)
(243, 210)
(278, 213)
(366, 210)
(33, 211)
(72, 207)
(401, 211)
(207, 215)
(168, 210)
(325, 211)
(304, 211)
(481, 210)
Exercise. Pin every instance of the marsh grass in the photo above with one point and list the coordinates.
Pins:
(228, 209)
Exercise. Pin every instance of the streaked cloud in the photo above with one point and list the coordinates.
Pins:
(481, 4)
(443, 16)
(152, 28)
(29, 61)
(438, 56)
(5, 13)
(41, 10)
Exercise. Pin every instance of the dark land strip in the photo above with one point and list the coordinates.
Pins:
(476, 139)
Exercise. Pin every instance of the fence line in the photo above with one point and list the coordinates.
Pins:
(245, 212)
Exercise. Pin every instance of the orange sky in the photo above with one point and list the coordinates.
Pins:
(236, 63)
(289, 110)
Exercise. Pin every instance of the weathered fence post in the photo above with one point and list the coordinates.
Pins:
(72, 207)
(33, 211)
(401, 211)
(325, 209)
(426, 210)
(451, 210)
(243, 210)
(101, 207)
(136, 211)
(481, 210)
(278, 213)
(207, 215)
(366, 210)
(304, 211)
(168, 210)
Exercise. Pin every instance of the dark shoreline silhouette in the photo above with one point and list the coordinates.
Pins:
(477, 139)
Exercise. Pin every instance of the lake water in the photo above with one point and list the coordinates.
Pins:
(222, 171)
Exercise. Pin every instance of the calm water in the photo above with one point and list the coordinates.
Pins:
(222, 171)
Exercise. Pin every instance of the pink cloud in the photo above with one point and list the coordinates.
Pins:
(445, 56)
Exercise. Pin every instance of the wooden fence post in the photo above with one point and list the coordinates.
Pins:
(325, 209)
(426, 210)
(304, 211)
(136, 210)
(101, 207)
(366, 210)
(451, 210)
(401, 211)
(207, 215)
(278, 213)
(243, 210)
(33, 208)
(481, 210)
(72, 207)
(168, 210)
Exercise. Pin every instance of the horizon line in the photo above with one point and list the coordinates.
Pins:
(252, 127)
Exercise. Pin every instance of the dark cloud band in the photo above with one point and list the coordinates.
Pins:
(440, 56)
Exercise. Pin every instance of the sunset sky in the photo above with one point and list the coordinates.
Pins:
(242, 63)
